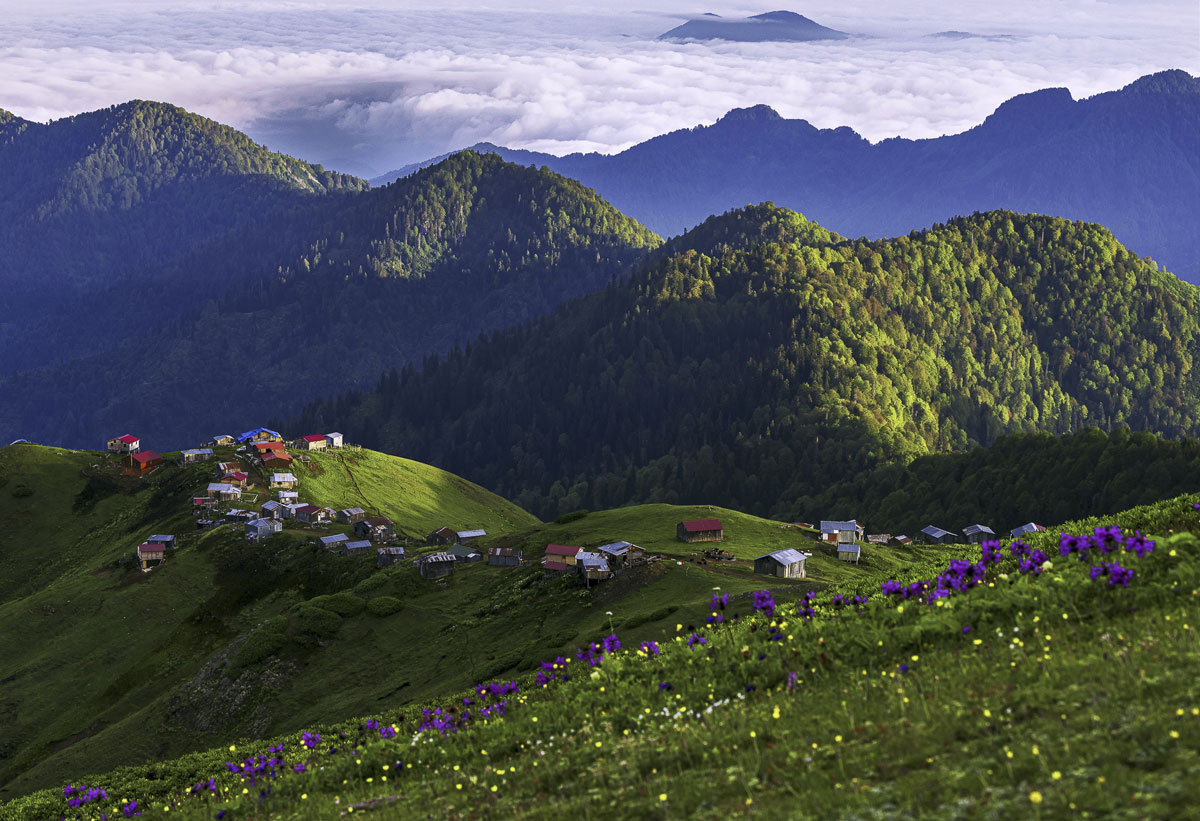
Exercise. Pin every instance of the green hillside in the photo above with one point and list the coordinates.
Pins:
(1020, 686)
(758, 360)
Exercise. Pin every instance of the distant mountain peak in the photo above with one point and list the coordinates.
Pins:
(1034, 105)
(754, 113)
(786, 26)
(1171, 81)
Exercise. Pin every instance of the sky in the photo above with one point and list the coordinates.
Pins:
(365, 87)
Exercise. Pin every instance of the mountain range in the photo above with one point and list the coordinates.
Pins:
(1127, 159)
(785, 26)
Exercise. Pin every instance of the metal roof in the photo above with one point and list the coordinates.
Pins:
(849, 548)
(334, 539)
(360, 545)
(196, 452)
(471, 534)
(616, 548)
(1029, 527)
(353, 511)
(973, 529)
(282, 477)
(440, 556)
(935, 532)
(785, 557)
(162, 538)
(257, 431)
(702, 525)
(835, 526)
(562, 550)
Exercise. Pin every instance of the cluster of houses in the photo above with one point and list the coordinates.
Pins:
(973, 534)
(135, 461)
(594, 564)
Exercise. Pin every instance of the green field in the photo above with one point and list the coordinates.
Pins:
(1031, 695)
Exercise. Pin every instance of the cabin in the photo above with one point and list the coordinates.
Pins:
(468, 536)
(151, 555)
(238, 516)
(227, 467)
(620, 554)
(702, 530)
(556, 568)
(194, 455)
(842, 532)
(141, 463)
(443, 535)
(202, 503)
(222, 440)
(276, 460)
(333, 440)
(377, 529)
(165, 540)
(785, 564)
(564, 553)
(271, 510)
(289, 496)
(263, 448)
(224, 492)
(849, 552)
(902, 540)
(314, 441)
(260, 435)
(387, 556)
(977, 533)
(289, 510)
(879, 538)
(351, 515)
(592, 566)
(504, 557)
(356, 548)
(259, 529)
(125, 444)
(1028, 527)
(435, 566)
(465, 553)
(237, 478)
(311, 514)
(286, 481)
(936, 535)
(331, 542)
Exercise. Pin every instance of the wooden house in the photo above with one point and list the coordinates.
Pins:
(902, 540)
(377, 529)
(333, 440)
(1029, 527)
(166, 540)
(237, 478)
(387, 556)
(702, 530)
(356, 548)
(125, 444)
(228, 467)
(259, 529)
(260, 435)
(592, 566)
(564, 553)
(287, 481)
(977, 533)
(222, 440)
(879, 538)
(194, 455)
(288, 497)
(620, 554)
(435, 565)
(351, 515)
(277, 460)
(200, 504)
(465, 554)
(556, 568)
(335, 541)
(468, 536)
(271, 509)
(504, 557)
(935, 535)
(785, 564)
(288, 511)
(263, 448)
(239, 516)
(224, 492)
(443, 535)
(311, 514)
(841, 531)
(314, 441)
(151, 555)
(849, 552)
(141, 463)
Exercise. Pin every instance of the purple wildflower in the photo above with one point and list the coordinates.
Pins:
(1139, 544)
(650, 648)
(696, 638)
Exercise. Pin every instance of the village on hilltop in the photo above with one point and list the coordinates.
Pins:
(255, 486)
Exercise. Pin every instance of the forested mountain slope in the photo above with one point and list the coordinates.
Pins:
(762, 360)
(92, 207)
(385, 278)
(1127, 159)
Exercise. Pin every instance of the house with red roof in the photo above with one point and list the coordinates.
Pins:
(311, 514)
(141, 463)
(276, 459)
(701, 530)
(125, 444)
(151, 554)
(236, 478)
(561, 553)
(315, 441)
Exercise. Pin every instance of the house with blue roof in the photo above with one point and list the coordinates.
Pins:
(260, 435)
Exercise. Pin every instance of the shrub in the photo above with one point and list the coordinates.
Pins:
(263, 643)
(318, 621)
(344, 603)
(383, 606)
(370, 583)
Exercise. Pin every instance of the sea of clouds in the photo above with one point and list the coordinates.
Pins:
(368, 86)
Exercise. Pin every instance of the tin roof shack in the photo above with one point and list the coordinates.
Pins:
(465, 553)
(283, 480)
(841, 532)
(593, 567)
(387, 556)
(849, 552)
(333, 440)
(377, 529)
(271, 510)
(564, 553)
(504, 557)
(142, 463)
(222, 439)
(786, 564)
(358, 548)
(902, 540)
(1029, 527)
(259, 529)
(164, 539)
(288, 511)
(621, 554)
(879, 538)
(443, 535)
(435, 565)
(701, 530)
(351, 515)
(224, 492)
(151, 555)
(977, 533)
(314, 441)
(312, 515)
(288, 496)
(468, 536)
(935, 535)
(194, 455)
(128, 443)
(335, 541)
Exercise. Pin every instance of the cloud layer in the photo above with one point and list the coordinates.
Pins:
(371, 88)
